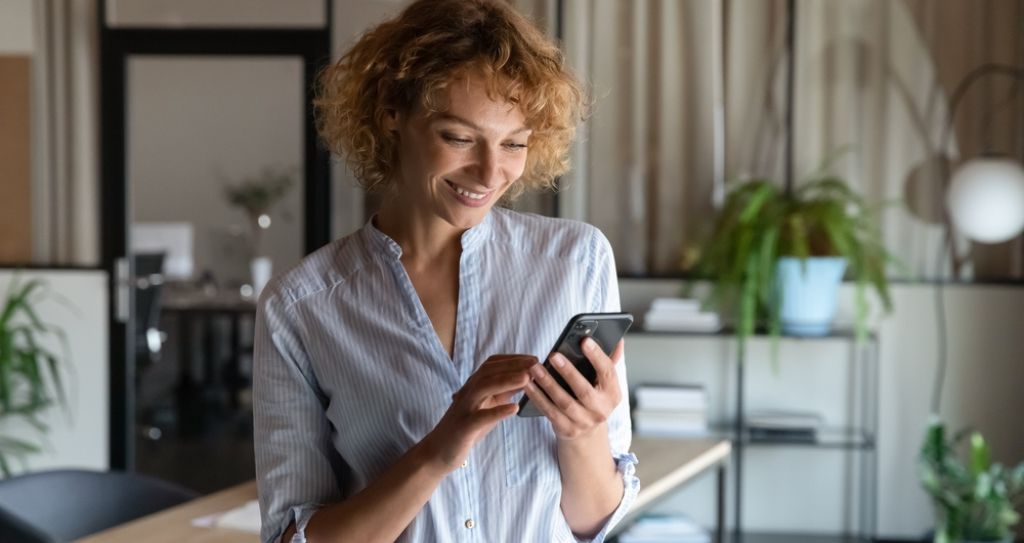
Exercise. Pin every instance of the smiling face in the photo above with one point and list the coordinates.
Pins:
(456, 164)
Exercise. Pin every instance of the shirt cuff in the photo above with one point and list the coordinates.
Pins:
(626, 466)
(300, 515)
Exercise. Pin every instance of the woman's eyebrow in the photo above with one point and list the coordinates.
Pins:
(470, 124)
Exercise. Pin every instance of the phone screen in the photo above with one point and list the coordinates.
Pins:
(604, 328)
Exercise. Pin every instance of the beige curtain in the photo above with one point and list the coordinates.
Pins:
(873, 77)
(647, 161)
(66, 217)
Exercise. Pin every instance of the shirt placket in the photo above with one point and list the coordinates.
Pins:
(465, 364)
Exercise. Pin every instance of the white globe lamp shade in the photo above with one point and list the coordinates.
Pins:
(986, 199)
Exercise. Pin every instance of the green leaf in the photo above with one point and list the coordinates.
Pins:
(981, 458)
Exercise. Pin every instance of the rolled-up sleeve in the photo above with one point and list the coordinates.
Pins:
(295, 459)
(603, 286)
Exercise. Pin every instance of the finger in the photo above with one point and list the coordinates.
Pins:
(478, 391)
(499, 360)
(565, 403)
(582, 388)
(499, 366)
(471, 386)
(510, 363)
(545, 406)
(489, 417)
(603, 365)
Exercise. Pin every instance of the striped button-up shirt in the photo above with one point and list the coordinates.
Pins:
(349, 374)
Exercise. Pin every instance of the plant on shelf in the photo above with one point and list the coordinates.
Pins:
(30, 374)
(769, 247)
(973, 503)
(256, 195)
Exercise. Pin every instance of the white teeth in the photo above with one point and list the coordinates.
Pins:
(466, 193)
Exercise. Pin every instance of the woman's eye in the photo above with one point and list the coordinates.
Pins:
(450, 138)
(515, 146)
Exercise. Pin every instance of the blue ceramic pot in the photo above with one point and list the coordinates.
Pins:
(808, 294)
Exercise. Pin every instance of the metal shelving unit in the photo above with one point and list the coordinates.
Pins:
(860, 439)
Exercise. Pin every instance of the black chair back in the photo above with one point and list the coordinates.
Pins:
(64, 505)
(148, 289)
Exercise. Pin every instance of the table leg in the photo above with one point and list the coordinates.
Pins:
(720, 504)
(234, 382)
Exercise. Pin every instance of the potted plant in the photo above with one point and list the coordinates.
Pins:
(256, 195)
(975, 502)
(776, 258)
(30, 374)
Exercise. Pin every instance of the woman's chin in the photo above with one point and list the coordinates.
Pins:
(464, 219)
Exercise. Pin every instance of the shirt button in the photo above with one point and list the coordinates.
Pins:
(465, 463)
(470, 523)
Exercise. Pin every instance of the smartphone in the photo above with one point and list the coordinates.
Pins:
(604, 328)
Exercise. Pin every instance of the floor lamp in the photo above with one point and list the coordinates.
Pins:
(984, 202)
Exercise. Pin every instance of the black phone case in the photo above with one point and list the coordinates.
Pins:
(605, 328)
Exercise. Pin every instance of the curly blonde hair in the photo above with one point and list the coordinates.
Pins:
(411, 60)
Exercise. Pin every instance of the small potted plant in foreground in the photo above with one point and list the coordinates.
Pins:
(973, 503)
(776, 259)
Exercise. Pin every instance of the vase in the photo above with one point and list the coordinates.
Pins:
(261, 269)
(809, 290)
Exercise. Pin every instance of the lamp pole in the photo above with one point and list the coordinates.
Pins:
(956, 261)
(790, 91)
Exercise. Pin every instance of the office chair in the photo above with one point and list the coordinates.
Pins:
(64, 505)
(148, 270)
(148, 288)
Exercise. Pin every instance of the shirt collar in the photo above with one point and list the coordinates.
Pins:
(471, 238)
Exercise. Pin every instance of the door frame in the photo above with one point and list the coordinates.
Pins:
(117, 44)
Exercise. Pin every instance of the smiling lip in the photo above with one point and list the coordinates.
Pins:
(468, 197)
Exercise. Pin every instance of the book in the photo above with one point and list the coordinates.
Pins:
(695, 322)
(675, 305)
(668, 397)
(781, 420)
(670, 423)
(665, 529)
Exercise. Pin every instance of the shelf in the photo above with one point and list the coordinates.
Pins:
(827, 438)
(774, 537)
(780, 537)
(726, 331)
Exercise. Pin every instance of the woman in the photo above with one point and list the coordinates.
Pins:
(384, 387)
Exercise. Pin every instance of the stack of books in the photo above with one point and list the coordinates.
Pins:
(670, 410)
(778, 425)
(680, 315)
(665, 529)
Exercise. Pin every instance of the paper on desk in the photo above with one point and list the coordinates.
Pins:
(245, 518)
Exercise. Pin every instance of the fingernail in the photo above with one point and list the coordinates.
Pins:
(589, 344)
(558, 360)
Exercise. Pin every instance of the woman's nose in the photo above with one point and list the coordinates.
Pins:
(489, 169)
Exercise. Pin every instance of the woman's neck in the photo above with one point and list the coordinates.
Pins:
(424, 238)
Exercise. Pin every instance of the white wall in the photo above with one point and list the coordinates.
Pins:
(16, 27)
(79, 436)
(789, 489)
(197, 124)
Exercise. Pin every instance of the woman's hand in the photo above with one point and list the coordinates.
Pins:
(478, 407)
(575, 418)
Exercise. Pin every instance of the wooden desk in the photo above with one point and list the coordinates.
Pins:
(665, 465)
(174, 525)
